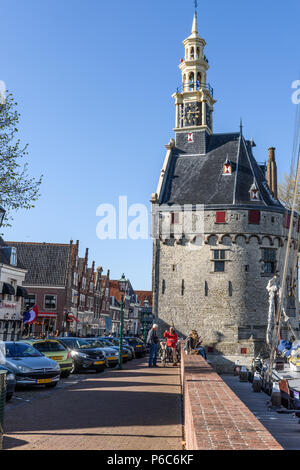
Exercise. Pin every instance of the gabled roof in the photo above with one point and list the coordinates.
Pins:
(199, 179)
(47, 263)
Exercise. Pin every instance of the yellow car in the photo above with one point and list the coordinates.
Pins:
(56, 351)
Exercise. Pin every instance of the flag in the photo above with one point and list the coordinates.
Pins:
(31, 316)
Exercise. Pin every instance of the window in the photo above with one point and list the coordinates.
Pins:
(269, 259)
(82, 300)
(75, 279)
(254, 217)
(30, 301)
(163, 288)
(219, 257)
(220, 217)
(50, 302)
(13, 257)
(91, 286)
(83, 283)
(287, 220)
(174, 218)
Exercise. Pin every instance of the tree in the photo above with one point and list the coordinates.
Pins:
(286, 190)
(17, 189)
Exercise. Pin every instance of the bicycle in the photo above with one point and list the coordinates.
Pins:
(163, 353)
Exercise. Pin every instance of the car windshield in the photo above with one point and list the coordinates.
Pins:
(108, 342)
(134, 341)
(15, 350)
(83, 343)
(49, 346)
(96, 343)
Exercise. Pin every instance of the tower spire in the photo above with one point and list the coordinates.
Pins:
(195, 20)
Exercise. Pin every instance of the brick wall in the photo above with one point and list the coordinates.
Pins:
(215, 418)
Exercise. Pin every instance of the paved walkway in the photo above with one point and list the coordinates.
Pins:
(283, 427)
(136, 408)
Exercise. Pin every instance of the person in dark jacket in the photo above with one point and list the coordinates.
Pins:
(152, 341)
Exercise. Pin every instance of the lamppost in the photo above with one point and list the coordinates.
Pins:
(123, 283)
(146, 303)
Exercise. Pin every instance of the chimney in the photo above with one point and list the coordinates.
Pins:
(272, 172)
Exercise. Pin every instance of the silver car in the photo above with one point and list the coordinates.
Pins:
(30, 366)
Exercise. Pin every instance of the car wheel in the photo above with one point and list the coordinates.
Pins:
(65, 374)
(74, 369)
(52, 385)
(9, 396)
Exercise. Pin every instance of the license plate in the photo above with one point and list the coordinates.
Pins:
(44, 381)
(56, 358)
(138, 346)
(111, 358)
(98, 362)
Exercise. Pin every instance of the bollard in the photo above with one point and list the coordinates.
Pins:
(2, 402)
(276, 395)
(257, 383)
(237, 368)
(244, 374)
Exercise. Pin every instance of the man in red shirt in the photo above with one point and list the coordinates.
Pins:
(172, 339)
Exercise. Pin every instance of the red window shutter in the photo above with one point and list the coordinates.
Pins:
(174, 218)
(220, 217)
(287, 220)
(243, 350)
(210, 349)
(254, 217)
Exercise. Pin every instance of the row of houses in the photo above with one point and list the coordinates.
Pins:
(72, 295)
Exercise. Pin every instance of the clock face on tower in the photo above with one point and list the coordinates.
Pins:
(191, 114)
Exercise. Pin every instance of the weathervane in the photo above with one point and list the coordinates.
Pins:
(196, 6)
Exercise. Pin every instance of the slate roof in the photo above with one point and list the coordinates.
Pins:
(47, 263)
(199, 179)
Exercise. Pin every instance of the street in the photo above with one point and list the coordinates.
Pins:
(136, 408)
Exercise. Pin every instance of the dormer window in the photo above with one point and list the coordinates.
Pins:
(227, 168)
(13, 256)
(254, 192)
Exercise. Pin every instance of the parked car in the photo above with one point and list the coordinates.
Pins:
(112, 356)
(138, 344)
(30, 366)
(10, 382)
(84, 355)
(55, 350)
(114, 343)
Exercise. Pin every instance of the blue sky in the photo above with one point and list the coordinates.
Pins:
(94, 81)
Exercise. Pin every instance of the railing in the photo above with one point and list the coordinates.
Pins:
(195, 86)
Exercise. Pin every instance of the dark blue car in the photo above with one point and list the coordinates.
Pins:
(10, 382)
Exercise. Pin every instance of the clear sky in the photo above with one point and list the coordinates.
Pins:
(94, 81)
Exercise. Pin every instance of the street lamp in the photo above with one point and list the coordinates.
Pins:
(146, 303)
(123, 283)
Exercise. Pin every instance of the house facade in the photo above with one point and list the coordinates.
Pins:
(12, 293)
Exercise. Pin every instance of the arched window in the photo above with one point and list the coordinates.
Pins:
(192, 53)
(198, 53)
(199, 81)
(191, 81)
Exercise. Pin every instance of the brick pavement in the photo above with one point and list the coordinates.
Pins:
(136, 408)
(215, 418)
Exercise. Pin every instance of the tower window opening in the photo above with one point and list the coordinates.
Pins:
(191, 81)
(163, 287)
(192, 53)
(219, 261)
(182, 287)
(269, 260)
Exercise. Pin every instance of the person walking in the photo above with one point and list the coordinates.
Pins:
(152, 341)
(172, 340)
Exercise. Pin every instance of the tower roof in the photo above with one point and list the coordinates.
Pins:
(199, 179)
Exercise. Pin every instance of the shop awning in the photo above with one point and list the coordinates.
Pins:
(21, 291)
(8, 289)
(47, 315)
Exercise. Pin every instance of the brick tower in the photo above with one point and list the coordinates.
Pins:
(214, 279)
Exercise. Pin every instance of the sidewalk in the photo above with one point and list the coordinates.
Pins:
(136, 408)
